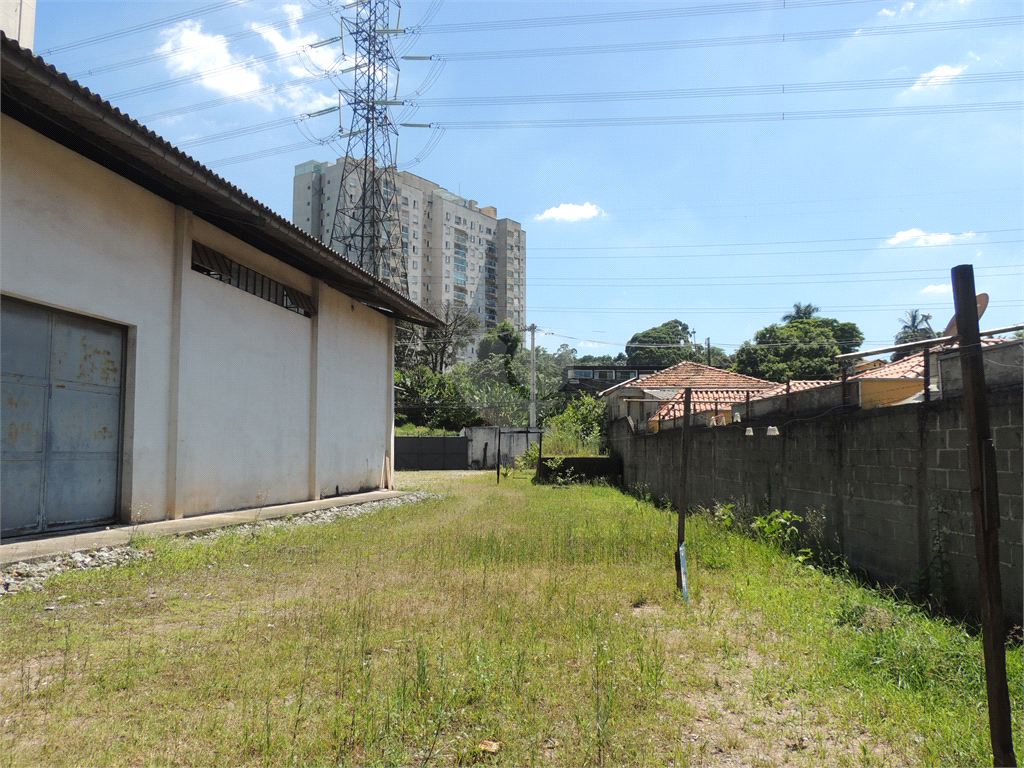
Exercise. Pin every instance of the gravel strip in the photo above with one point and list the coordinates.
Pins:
(30, 576)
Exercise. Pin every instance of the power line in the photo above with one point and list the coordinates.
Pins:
(626, 16)
(749, 117)
(704, 283)
(193, 77)
(264, 91)
(750, 310)
(670, 45)
(690, 93)
(251, 32)
(143, 27)
(768, 253)
(769, 242)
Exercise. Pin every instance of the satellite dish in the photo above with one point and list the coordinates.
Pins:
(982, 306)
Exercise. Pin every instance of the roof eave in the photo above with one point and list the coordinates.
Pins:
(37, 95)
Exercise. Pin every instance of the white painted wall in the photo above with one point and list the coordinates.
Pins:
(69, 240)
(260, 405)
(353, 373)
(18, 21)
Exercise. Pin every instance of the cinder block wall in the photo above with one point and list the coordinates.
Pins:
(887, 488)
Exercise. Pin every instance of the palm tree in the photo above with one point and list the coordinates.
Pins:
(800, 312)
(914, 326)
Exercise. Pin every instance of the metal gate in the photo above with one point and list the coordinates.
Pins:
(430, 453)
(62, 381)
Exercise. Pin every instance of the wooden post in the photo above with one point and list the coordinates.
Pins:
(682, 582)
(985, 502)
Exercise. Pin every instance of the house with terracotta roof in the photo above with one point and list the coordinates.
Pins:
(171, 346)
(642, 398)
(886, 384)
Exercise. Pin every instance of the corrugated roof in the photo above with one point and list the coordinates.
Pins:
(704, 400)
(696, 376)
(48, 101)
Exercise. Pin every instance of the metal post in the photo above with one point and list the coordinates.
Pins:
(497, 458)
(985, 501)
(682, 582)
(927, 374)
(533, 376)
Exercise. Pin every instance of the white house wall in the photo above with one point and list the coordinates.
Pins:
(231, 401)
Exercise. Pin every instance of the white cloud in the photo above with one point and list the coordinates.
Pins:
(570, 212)
(204, 53)
(890, 12)
(303, 99)
(940, 289)
(941, 74)
(923, 238)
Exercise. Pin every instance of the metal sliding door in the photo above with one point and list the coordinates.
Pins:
(62, 389)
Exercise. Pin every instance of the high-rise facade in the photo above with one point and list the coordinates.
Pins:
(455, 252)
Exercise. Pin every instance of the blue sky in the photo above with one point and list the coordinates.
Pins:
(723, 223)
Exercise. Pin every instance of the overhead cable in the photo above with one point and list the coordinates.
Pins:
(625, 16)
(739, 90)
(973, 233)
(143, 27)
(193, 77)
(668, 282)
(159, 56)
(812, 252)
(787, 37)
(746, 117)
(264, 91)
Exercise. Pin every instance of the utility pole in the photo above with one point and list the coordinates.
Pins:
(981, 460)
(533, 376)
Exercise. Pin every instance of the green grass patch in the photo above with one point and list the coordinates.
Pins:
(541, 618)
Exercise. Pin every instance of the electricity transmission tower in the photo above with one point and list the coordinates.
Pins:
(366, 228)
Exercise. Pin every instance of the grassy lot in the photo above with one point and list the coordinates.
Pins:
(543, 619)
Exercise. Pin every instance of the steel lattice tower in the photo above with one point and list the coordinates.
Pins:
(366, 217)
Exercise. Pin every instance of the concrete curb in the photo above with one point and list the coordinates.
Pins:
(119, 536)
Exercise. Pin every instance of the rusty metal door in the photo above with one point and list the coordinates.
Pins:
(62, 395)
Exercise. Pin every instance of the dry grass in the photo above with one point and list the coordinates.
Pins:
(538, 618)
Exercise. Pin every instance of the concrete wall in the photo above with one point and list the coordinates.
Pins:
(483, 443)
(231, 401)
(886, 488)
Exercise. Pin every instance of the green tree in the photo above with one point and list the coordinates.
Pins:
(619, 359)
(437, 348)
(427, 399)
(801, 349)
(914, 326)
(662, 346)
(504, 340)
(800, 312)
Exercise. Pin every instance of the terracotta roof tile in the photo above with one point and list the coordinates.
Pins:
(698, 376)
(794, 386)
(704, 400)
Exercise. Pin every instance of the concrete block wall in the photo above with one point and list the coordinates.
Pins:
(886, 488)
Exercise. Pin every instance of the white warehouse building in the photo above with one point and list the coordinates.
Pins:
(170, 346)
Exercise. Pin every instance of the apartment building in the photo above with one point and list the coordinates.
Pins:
(455, 251)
